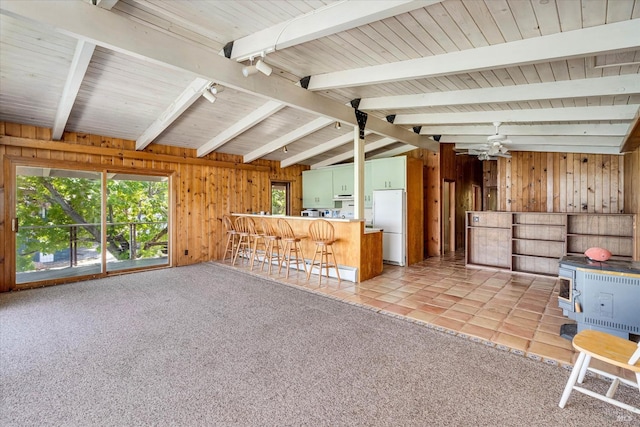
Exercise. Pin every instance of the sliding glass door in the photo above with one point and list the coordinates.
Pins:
(137, 215)
(64, 219)
(59, 223)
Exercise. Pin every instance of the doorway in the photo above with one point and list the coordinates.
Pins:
(78, 223)
(448, 216)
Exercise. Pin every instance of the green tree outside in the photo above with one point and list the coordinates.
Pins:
(54, 203)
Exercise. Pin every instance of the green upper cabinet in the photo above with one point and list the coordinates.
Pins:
(368, 185)
(343, 179)
(389, 173)
(317, 188)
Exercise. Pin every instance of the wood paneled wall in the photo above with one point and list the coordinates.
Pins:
(561, 182)
(632, 189)
(205, 188)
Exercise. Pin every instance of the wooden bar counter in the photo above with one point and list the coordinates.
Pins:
(358, 250)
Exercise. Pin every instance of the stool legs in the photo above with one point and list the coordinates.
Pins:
(291, 246)
(273, 245)
(230, 246)
(324, 250)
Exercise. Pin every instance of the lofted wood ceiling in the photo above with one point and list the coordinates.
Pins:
(560, 75)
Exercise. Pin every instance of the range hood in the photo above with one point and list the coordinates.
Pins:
(343, 197)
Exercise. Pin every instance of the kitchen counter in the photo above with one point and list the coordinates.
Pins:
(357, 250)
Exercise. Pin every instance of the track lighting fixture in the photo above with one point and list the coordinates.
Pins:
(284, 149)
(338, 125)
(261, 66)
(210, 91)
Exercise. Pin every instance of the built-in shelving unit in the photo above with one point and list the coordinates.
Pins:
(538, 242)
(534, 242)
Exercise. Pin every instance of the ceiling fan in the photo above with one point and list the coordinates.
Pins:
(494, 147)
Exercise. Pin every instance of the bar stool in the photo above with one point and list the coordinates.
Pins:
(322, 234)
(256, 238)
(230, 246)
(243, 228)
(272, 245)
(291, 246)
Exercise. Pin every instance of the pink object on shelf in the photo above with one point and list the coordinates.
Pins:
(597, 254)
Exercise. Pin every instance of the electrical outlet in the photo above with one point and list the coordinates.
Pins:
(186, 251)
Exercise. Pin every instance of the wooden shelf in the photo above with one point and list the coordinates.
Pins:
(520, 224)
(534, 242)
(608, 236)
(537, 240)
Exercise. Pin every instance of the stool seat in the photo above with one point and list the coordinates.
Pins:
(609, 349)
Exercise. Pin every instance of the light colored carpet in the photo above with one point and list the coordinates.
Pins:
(207, 345)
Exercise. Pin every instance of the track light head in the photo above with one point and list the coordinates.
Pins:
(208, 96)
(249, 70)
(263, 67)
(338, 125)
(216, 88)
(284, 149)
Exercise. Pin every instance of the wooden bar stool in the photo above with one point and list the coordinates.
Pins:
(272, 245)
(243, 226)
(230, 246)
(322, 234)
(607, 348)
(291, 247)
(256, 238)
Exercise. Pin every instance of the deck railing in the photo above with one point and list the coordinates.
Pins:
(121, 236)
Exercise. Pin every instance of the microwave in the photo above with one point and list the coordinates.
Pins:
(310, 212)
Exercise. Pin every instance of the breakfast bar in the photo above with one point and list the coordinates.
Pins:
(358, 249)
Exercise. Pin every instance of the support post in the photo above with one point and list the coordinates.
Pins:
(358, 172)
(358, 164)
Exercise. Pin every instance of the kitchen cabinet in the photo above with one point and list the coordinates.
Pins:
(389, 173)
(368, 185)
(317, 189)
(343, 179)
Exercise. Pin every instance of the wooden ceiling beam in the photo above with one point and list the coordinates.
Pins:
(242, 125)
(547, 148)
(383, 142)
(330, 19)
(576, 114)
(554, 47)
(79, 65)
(173, 111)
(288, 138)
(473, 141)
(601, 86)
(320, 148)
(578, 129)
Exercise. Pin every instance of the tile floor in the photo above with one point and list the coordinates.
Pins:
(512, 312)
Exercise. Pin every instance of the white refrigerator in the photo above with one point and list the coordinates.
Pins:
(389, 214)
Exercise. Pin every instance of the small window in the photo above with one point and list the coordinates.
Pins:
(280, 198)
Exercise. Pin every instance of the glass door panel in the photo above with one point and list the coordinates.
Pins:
(137, 221)
(59, 226)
